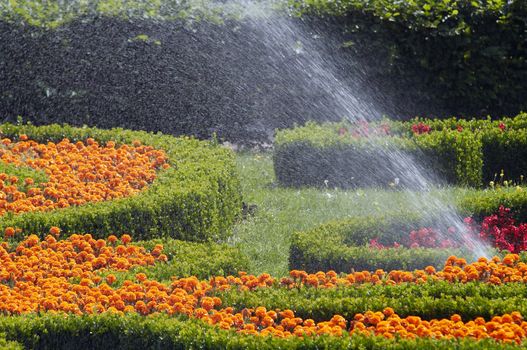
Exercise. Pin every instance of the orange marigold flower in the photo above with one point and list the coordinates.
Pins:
(54, 230)
(141, 277)
(126, 239)
(9, 232)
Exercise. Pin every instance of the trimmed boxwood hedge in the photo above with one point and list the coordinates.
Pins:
(9, 345)
(316, 154)
(196, 199)
(487, 202)
(132, 331)
(431, 300)
(343, 245)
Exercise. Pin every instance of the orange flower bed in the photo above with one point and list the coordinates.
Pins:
(64, 276)
(78, 172)
(495, 271)
(507, 328)
(37, 275)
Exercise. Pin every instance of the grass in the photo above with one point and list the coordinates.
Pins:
(265, 236)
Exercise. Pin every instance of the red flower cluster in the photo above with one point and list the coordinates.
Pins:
(421, 128)
(501, 231)
(429, 238)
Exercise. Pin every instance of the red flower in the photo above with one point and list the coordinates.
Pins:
(421, 128)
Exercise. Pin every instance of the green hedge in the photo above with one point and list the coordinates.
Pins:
(53, 14)
(161, 332)
(9, 345)
(487, 202)
(465, 51)
(316, 154)
(344, 245)
(196, 199)
(431, 300)
(186, 259)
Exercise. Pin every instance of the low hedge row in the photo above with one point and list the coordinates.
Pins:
(196, 199)
(160, 332)
(462, 152)
(432, 300)
(344, 245)
(487, 202)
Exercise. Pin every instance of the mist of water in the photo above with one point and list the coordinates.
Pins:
(281, 34)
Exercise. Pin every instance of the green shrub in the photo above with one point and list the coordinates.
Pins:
(431, 300)
(9, 345)
(504, 152)
(342, 165)
(453, 156)
(316, 154)
(160, 332)
(197, 199)
(343, 246)
(52, 14)
(345, 162)
(487, 202)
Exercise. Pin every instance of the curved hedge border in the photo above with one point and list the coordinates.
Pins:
(343, 246)
(132, 331)
(9, 345)
(312, 154)
(197, 199)
(436, 299)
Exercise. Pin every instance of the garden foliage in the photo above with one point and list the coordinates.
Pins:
(345, 245)
(472, 53)
(461, 152)
(161, 332)
(196, 199)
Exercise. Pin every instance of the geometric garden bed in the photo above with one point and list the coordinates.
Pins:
(466, 305)
(106, 290)
(196, 198)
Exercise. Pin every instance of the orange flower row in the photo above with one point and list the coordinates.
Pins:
(495, 271)
(64, 276)
(507, 328)
(78, 172)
